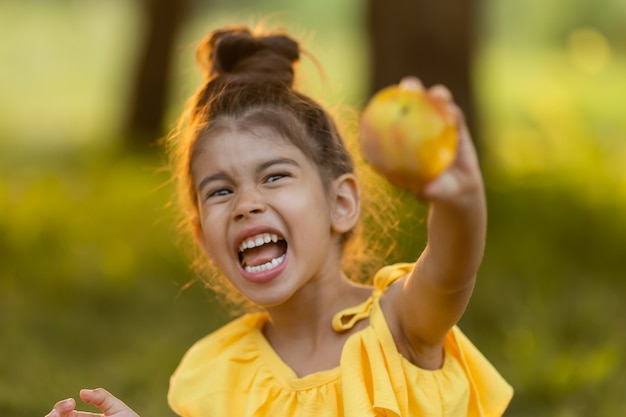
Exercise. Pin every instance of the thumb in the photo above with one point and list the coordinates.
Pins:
(444, 187)
(105, 401)
(411, 83)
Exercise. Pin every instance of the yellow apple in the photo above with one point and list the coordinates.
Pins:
(407, 136)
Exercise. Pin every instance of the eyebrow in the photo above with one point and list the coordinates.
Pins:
(210, 178)
(221, 175)
(278, 161)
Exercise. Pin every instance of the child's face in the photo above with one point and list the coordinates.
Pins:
(265, 216)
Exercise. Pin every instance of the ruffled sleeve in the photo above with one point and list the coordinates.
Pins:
(208, 375)
(382, 382)
(490, 394)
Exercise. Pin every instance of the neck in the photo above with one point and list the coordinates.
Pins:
(301, 332)
(307, 316)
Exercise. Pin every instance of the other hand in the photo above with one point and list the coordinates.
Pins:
(101, 398)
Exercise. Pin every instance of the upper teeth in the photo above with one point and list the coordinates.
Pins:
(258, 240)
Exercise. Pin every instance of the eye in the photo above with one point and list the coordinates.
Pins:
(275, 177)
(220, 192)
(223, 191)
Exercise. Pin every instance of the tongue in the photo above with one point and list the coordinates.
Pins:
(262, 254)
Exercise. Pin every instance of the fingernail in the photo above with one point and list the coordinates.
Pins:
(89, 395)
(411, 83)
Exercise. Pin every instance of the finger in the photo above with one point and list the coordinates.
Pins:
(440, 92)
(62, 408)
(466, 144)
(411, 83)
(461, 124)
(104, 400)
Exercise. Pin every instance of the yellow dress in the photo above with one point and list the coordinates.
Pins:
(235, 372)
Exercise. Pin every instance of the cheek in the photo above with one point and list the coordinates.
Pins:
(213, 215)
(211, 233)
(307, 207)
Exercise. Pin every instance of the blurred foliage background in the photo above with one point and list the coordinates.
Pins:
(93, 282)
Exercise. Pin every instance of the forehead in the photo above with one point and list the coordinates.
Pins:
(239, 148)
(247, 141)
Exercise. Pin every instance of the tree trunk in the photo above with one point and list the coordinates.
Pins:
(433, 40)
(152, 77)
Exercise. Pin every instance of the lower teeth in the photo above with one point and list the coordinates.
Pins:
(267, 266)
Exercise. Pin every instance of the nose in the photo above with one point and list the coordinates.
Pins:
(247, 204)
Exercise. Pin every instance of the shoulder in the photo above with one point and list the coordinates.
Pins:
(389, 274)
(226, 339)
(213, 364)
(392, 279)
(233, 340)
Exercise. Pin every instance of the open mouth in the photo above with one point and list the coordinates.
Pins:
(262, 252)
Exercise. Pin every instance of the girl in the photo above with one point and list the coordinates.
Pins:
(273, 200)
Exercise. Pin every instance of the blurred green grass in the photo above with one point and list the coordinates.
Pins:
(92, 283)
(92, 276)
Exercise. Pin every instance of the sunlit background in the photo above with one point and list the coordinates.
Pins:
(92, 277)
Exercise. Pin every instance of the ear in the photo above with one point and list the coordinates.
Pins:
(197, 232)
(345, 204)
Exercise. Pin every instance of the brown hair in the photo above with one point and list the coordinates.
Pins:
(249, 82)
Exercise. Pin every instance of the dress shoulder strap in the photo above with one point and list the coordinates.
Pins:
(389, 274)
(347, 318)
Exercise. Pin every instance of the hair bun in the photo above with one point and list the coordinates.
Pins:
(236, 51)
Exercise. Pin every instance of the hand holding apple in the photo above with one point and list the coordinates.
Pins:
(408, 134)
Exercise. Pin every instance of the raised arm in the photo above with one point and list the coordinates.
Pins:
(429, 301)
